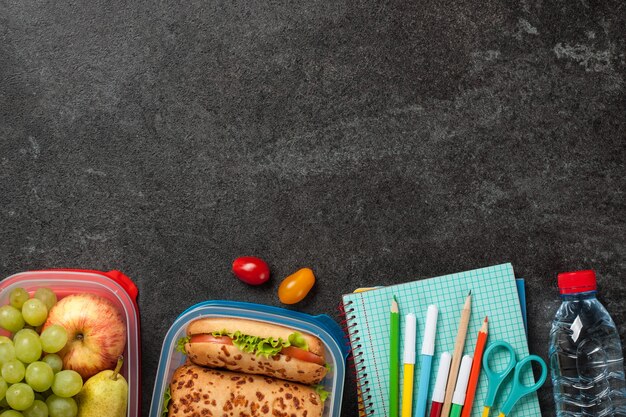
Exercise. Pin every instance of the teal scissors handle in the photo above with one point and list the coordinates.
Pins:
(495, 379)
(519, 388)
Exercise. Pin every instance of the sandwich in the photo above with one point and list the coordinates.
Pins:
(255, 347)
(199, 391)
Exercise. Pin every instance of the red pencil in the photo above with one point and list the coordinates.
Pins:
(475, 372)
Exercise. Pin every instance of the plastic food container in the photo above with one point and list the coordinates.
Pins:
(321, 326)
(112, 285)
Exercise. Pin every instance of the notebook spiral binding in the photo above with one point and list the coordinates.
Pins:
(355, 358)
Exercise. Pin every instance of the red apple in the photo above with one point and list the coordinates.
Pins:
(96, 333)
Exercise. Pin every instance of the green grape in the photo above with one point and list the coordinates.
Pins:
(38, 409)
(7, 352)
(3, 387)
(4, 339)
(17, 297)
(55, 362)
(20, 396)
(61, 407)
(53, 339)
(25, 331)
(11, 318)
(27, 345)
(46, 295)
(11, 413)
(34, 312)
(39, 376)
(13, 371)
(67, 383)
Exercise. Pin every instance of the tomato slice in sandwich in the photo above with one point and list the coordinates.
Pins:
(303, 355)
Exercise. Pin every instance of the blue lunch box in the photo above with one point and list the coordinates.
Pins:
(321, 326)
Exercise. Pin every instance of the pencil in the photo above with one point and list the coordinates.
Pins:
(409, 364)
(476, 365)
(457, 354)
(394, 359)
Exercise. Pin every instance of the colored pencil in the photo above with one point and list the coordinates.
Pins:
(461, 386)
(476, 366)
(410, 330)
(428, 350)
(439, 392)
(456, 356)
(394, 359)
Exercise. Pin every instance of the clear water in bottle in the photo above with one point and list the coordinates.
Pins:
(586, 359)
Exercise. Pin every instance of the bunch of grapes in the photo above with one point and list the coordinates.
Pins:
(32, 380)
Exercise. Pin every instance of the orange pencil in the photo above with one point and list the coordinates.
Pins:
(475, 372)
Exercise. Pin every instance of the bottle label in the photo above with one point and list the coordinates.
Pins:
(576, 327)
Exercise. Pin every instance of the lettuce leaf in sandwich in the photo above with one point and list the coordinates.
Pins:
(167, 396)
(180, 344)
(265, 347)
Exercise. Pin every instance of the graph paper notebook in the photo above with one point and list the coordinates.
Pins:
(494, 294)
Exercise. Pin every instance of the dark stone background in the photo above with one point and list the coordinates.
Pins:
(377, 142)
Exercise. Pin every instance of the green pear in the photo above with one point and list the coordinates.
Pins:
(105, 393)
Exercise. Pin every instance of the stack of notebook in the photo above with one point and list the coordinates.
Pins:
(495, 293)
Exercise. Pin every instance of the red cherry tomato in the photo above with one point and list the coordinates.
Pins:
(251, 270)
(296, 286)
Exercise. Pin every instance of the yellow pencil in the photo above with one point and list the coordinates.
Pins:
(457, 355)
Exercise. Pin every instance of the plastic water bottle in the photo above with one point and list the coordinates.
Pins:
(586, 359)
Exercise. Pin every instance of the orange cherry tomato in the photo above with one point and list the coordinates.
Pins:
(296, 286)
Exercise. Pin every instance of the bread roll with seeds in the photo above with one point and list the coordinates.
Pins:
(198, 391)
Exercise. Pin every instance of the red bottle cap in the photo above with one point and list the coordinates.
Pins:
(577, 281)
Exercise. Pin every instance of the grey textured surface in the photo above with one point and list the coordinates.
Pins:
(377, 142)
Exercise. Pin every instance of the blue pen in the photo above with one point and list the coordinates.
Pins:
(428, 350)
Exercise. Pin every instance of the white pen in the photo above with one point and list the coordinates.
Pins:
(458, 398)
(439, 393)
(408, 359)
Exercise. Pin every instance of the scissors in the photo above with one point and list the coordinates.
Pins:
(495, 379)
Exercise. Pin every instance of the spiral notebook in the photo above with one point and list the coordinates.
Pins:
(494, 294)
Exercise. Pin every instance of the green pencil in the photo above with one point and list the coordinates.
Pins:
(394, 362)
